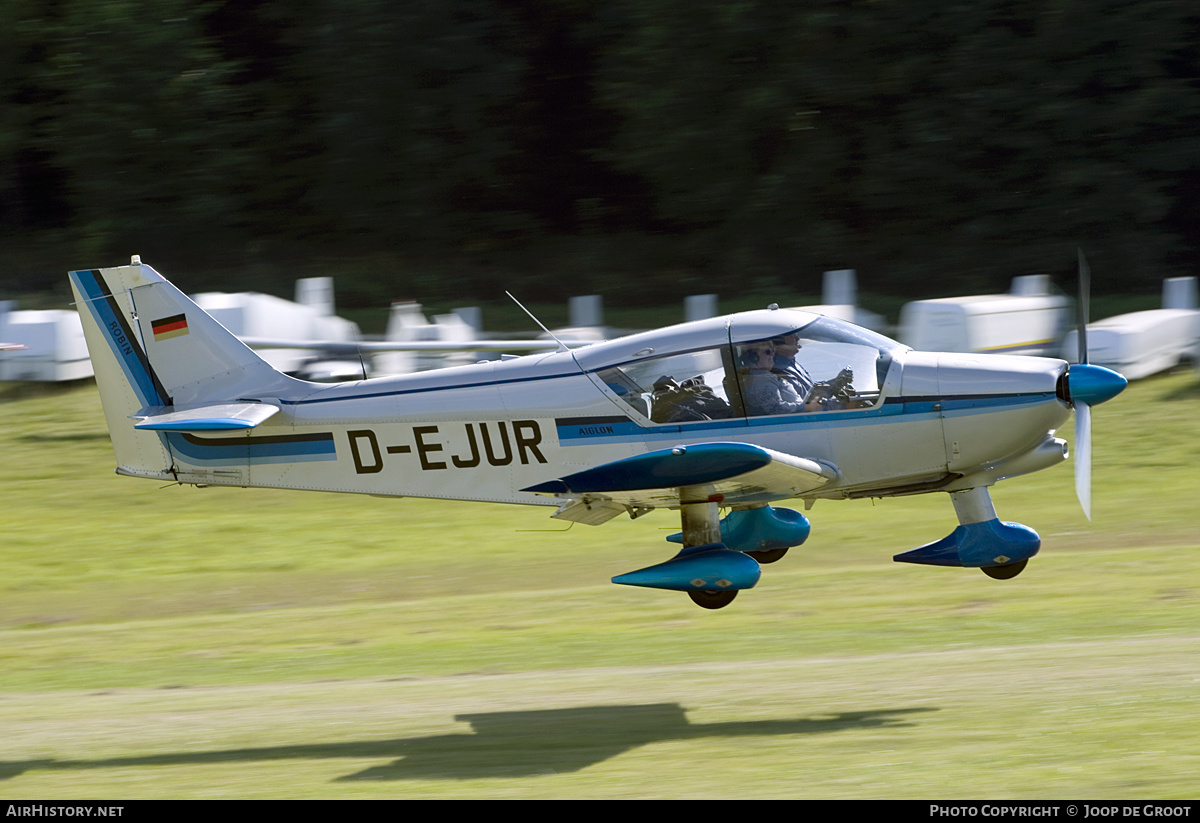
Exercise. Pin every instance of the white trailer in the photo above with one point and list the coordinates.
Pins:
(1016, 323)
(49, 346)
(407, 324)
(1139, 344)
(263, 317)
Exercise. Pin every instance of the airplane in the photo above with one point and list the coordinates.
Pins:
(665, 418)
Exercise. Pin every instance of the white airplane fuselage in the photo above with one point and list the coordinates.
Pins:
(486, 431)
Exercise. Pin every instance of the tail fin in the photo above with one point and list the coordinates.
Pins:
(163, 364)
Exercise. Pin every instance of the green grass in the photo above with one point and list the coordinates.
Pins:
(179, 642)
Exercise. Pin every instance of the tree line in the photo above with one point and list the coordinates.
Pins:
(637, 148)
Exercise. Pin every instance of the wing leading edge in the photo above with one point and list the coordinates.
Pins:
(733, 472)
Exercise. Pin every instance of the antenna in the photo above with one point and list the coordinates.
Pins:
(561, 345)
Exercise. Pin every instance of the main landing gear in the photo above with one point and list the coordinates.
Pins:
(721, 556)
(768, 556)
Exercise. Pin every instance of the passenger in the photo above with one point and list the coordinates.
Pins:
(763, 391)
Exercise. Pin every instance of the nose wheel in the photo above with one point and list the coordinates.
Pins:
(1007, 572)
(708, 599)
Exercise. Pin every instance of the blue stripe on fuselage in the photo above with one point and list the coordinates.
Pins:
(584, 431)
(586, 428)
(299, 448)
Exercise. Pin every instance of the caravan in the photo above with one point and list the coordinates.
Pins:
(1029, 320)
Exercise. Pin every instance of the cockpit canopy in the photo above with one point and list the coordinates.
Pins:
(749, 365)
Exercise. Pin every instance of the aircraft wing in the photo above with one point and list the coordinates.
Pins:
(730, 472)
(216, 417)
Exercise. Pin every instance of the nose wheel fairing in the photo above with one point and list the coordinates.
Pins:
(982, 540)
(990, 543)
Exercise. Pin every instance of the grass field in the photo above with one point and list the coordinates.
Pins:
(202, 643)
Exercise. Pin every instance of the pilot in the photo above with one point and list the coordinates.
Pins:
(827, 396)
(786, 367)
(763, 391)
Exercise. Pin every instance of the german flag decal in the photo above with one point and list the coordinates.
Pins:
(168, 327)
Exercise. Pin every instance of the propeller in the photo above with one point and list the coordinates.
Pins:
(1083, 412)
(1083, 457)
(1087, 385)
(1085, 296)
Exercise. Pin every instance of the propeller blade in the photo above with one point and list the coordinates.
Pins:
(1085, 293)
(1083, 457)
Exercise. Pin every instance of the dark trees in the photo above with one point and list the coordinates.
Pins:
(933, 146)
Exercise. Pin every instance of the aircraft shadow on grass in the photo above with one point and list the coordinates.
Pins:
(507, 744)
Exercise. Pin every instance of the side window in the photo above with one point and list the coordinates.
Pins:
(677, 388)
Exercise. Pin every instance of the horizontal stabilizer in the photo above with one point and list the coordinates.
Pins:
(737, 471)
(217, 417)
